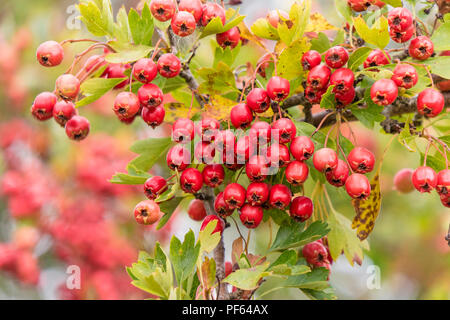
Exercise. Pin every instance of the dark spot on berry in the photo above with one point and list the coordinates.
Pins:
(214, 180)
(166, 68)
(340, 86)
(407, 79)
(255, 197)
(334, 57)
(122, 110)
(373, 64)
(160, 11)
(396, 21)
(144, 213)
(380, 97)
(315, 83)
(184, 28)
(227, 43)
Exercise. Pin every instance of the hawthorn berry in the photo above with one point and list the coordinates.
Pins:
(192, 6)
(358, 186)
(443, 182)
(50, 54)
(278, 88)
(150, 95)
(278, 155)
(258, 100)
(400, 19)
(430, 102)
(42, 107)
(256, 168)
(183, 23)
(145, 70)
(361, 160)
(336, 57)
(229, 38)
(126, 105)
(153, 116)
(421, 48)
(284, 129)
(178, 158)
(208, 219)
(296, 172)
(342, 79)
(169, 65)
(204, 152)
(228, 268)
(359, 5)
(244, 148)
(208, 128)
(191, 180)
(260, 132)
(384, 92)
(405, 75)
(117, 70)
(376, 58)
(67, 86)
(63, 111)
(280, 196)
(196, 210)
(251, 216)
(403, 180)
(325, 159)
(221, 207)
(424, 179)
(310, 59)
(345, 98)
(257, 193)
(402, 36)
(302, 148)
(183, 130)
(274, 17)
(229, 160)
(234, 196)
(314, 96)
(77, 128)
(318, 77)
(338, 176)
(301, 208)
(162, 10)
(225, 141)
(154, 186)
(213, 175)
(212, 10)
(263, 63)
(147, 212)
(445, 200)
(315, 253)
(241, 116)
(94, 62)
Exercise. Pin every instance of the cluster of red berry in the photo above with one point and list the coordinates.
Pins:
(363, 5)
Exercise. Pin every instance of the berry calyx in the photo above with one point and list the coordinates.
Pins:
(336, 57)
(384, 92)
(256, 168)
(338, 176)
(278, 88)
(343, 80)
(208, 219)
(443, 182)
(63, 111)
(145, 70)
(77, 128)
(183, 130)
(251, 216)
(403, 180)
(153, 116)
(310, 59)
(221, 207)
(229, 38)
(405, 76)
(361, 160)
(241, 116)
(358, 186)
(302, 148)
(284, 129)
(313, 96)
(325, 159)
(318, 77)
(154, 186)
(196, 210)
(191, 180)
(162, 10)
(50, 54)
(183, 23)
(296, 172)
(430, 102)
(147, 212)
(178, 158)
(126, 105)
(150, 95)
(424, 179)
(169, 65)
(212, 10)
(213, 175)
(192, 6)
(257, 193)
(280, 196)
(234, 196)
(258, 100)
(376, 58)
(421, 48)
(42, 107)
(67, 86)
(400, 19)
(301, 208)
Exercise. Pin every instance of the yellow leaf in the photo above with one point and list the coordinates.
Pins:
(248, 35)
(219, 107)
(176, 110)
(317, 23)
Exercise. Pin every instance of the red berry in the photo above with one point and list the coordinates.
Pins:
(126, 105)
(213, 175)
(359, 5)
(256, 168)
(310, 59)
(424, 179)
(263, 63)
(313, 96)
(145, 70)
(229, 38)
(342, 79)
(384, 92)
(178, 158)
(63, 111)
(228, 268)
(191, 180)
(301, 208)
(154, 186)
(162, 10)
(445, 200)
(260, 132)
(225, 140)
(405, 75)
(244, 148)
(403, 180)
(77, 128)
(315, 253)
(443, 182)
(297, 173)
(376, 58)
(117, 70)
(338, 176)
(336, 57)
(400, 19)
(67, 86)
(220, 224)
(208, 128)
(93, 63)
(196, 210)
(284, 129)
(402, 36)
(241, 116)
(358, 186)
(153, 116)
(345, 98)
(204, 152)
(257, 193)
(318, 77)
(278, 88)
(169, 65)
(280, 196)
(251, 216)
(430, 102)
(325, 159)
(421, 48)
(230, 161)
(221, 207)
(150, 95)
(258, 100)
(278, 155)
(42, 107)
(50, 54)
(183, 23)
(183, 130)
(147, 212)
(192, 6)
(212, 10)
(302, 148)
(361, 160)
(234, 196)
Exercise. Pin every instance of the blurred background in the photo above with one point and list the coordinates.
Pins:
(57, 208)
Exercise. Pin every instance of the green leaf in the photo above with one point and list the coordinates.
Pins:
(357, 58)
(149, 150)
(127, 53)
(293, 234)
(339, 39)
(377, 35)
(207, 238)
(321, 43)
(215, 25)
(219, 80)
(344, 9)
(169, 207)
(278, 216)
(394, 3)
(294, 28)
(370, 114)
(227, 55)
(184, 255)
(247, 279)
(325, 294)
(94, 89)
(435, 163)
(94, 19)
(328, 100)
(263, 29)
(441, 35)
(133, 177)
(121, 28)
(288, 62)
(316, 280)
(439, 65)
(141, 27)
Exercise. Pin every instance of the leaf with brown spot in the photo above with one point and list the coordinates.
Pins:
(317, 22)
